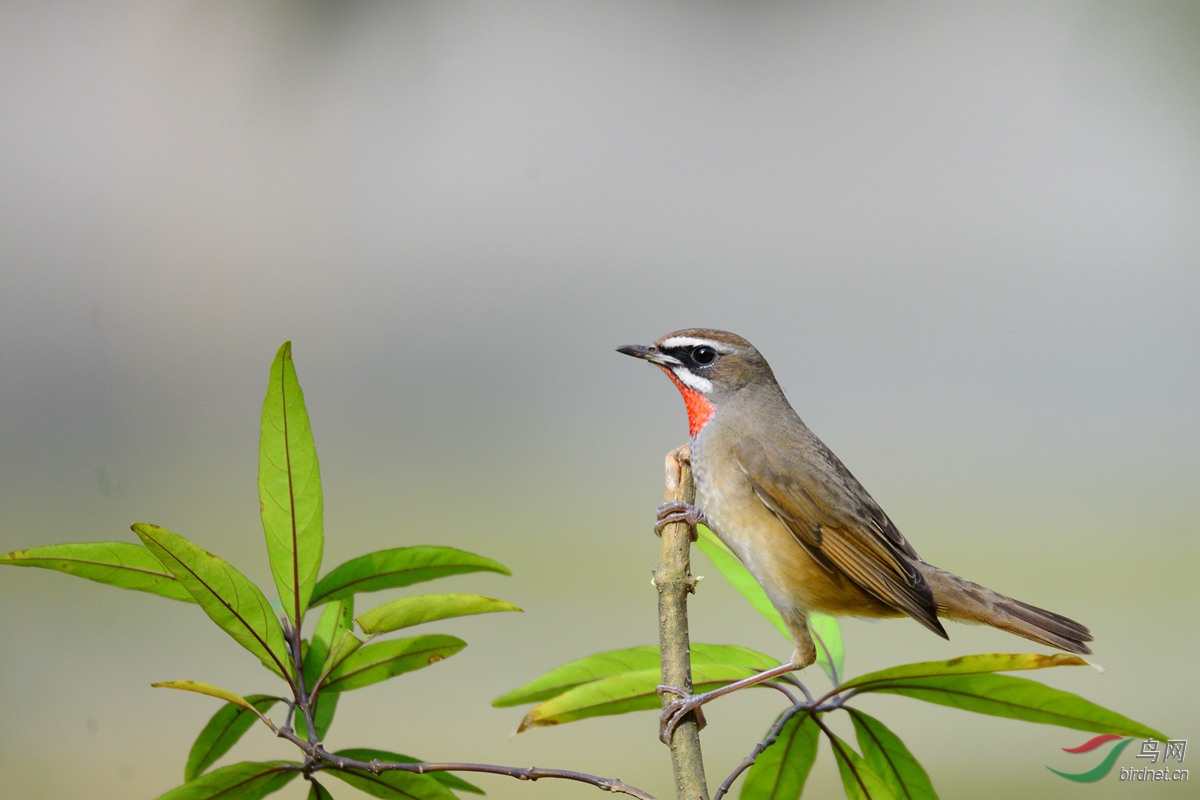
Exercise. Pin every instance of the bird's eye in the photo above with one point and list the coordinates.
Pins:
(703, 354)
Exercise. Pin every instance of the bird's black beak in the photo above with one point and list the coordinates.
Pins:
(651, 354)
(635, 350)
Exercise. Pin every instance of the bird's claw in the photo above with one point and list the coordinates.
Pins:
(686, 703)
(678, 511)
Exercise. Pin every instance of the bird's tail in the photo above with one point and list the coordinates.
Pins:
(960, 599)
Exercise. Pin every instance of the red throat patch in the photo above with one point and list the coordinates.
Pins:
(699, 410)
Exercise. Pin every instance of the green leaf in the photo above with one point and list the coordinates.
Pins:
(346, 645)
(120, 564)
(289, 488)
(336, 619)
(831, 653)
(222, 732)
(968, 683)
(736, 573)
(620, 694)
(400, 566)
(1017, 698)
(858, 779)
(335, 625)
(378, 662)
(316, 791)
(448, 779)
(888, 758)
(615, 662)
(248, 780)
(780, 771)
(226, 595)
(396, 784)
(826, 634)
(409, 611)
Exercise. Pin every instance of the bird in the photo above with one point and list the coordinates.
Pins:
(800, 522)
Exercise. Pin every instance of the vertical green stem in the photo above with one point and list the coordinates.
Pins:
(673, 579)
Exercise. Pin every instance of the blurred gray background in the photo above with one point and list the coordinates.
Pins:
(966, 238)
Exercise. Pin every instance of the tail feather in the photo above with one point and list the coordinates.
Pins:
(965, 601)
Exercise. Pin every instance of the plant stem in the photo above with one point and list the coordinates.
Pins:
(321, 759)
(673, 579)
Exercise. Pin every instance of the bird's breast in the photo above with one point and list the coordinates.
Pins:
(740, 519)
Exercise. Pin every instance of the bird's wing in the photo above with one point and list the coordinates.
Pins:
(843, 529)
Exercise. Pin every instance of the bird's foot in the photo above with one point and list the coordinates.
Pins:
(679, 511)
(686, 703)
(674, 713)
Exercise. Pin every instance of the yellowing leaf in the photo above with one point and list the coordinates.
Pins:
(120, 564)
(409, 611)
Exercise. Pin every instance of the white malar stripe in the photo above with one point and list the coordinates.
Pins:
(692, 341)
(692, 380)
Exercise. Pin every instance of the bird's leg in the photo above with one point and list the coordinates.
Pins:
(678, 511)
(686, 703)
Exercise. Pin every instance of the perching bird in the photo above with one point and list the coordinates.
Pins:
(800, 522)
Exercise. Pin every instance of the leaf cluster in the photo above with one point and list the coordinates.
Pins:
(882, 767)
(316, 669)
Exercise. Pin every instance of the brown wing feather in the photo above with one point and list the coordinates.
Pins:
(836, 521)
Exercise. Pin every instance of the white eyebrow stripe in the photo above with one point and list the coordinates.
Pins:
(692, 341)
(692, 380)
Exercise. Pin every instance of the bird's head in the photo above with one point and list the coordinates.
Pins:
(707, 366)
